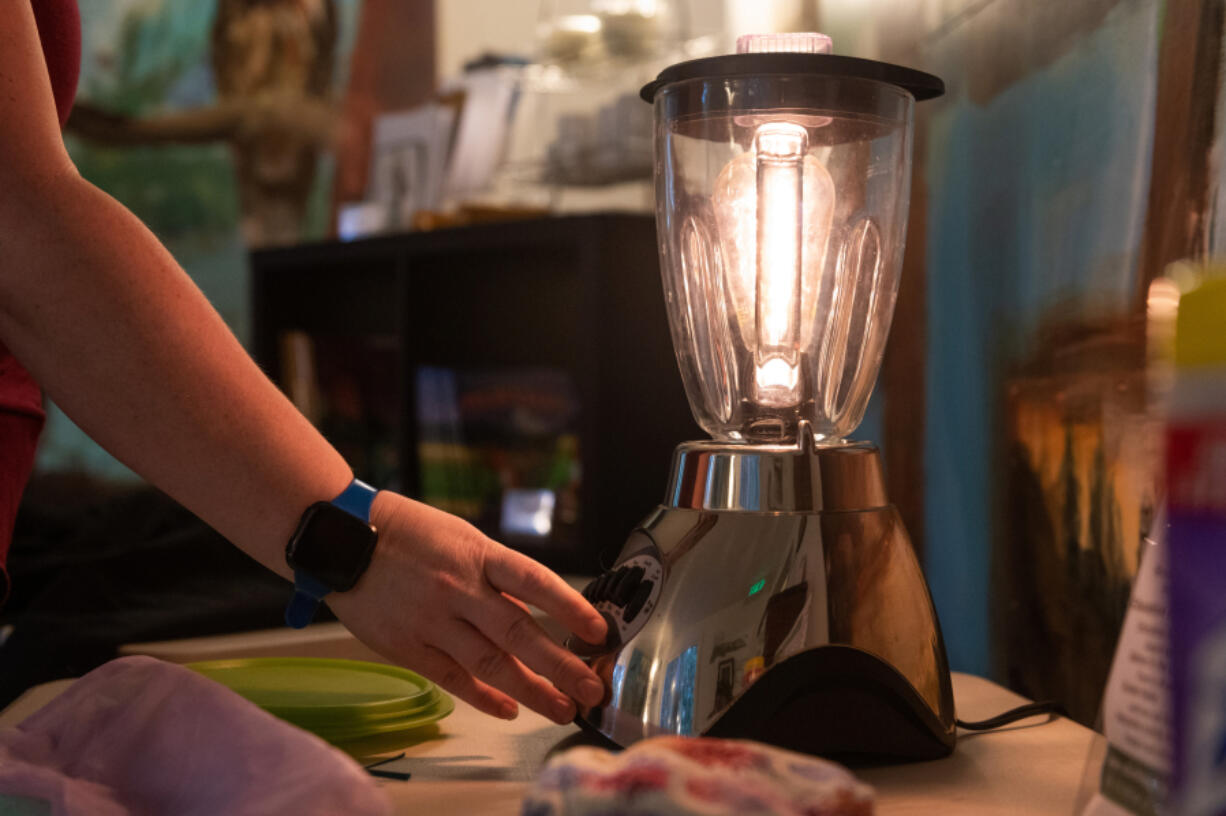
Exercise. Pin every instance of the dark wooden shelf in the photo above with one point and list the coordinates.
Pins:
(581, 294)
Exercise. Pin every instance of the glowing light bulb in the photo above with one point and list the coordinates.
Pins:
(774, 205)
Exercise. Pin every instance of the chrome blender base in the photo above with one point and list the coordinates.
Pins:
(775, 597)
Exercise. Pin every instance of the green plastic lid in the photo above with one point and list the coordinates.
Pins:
(339, 735)
(319, 689)
(361, 707)
(350, 718)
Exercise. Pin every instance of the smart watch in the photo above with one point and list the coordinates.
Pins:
(330, 550)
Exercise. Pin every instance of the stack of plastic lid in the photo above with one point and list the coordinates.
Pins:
(362, 708)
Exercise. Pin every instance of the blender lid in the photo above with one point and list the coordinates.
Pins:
(919, 84)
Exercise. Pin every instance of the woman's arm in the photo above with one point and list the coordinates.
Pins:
(123, 341)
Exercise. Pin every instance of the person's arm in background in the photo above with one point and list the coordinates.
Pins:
(124, 342)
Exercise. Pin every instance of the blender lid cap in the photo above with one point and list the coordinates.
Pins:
(919, 84)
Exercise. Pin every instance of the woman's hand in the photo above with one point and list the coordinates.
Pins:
(444, 600)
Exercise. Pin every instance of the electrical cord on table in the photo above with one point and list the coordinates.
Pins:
(1015, 714)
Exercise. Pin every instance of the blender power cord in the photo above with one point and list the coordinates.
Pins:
(1052, 707)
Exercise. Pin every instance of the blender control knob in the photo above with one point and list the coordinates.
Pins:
(625, 597)
(615, 580)
(635, 605)
(617, 586)
(601, 587)
(624, 589)
(613, 639)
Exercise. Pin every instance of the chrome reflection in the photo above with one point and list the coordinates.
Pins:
(776, 478)
(744, 590)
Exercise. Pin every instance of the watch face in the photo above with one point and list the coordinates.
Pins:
(332, 545)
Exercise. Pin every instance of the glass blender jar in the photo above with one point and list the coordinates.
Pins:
(781, 203)
(775, 594)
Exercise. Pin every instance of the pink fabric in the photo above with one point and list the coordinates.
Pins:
(139, 736)
(696, 776)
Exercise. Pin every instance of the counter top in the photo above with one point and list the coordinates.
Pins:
(478, 765)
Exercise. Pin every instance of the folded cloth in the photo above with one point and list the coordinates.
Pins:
(695, 775)
(138, 736)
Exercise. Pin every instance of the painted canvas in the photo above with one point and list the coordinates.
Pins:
(210, 120)
(1038, 464)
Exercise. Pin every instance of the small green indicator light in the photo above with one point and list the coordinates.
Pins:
(756, 588)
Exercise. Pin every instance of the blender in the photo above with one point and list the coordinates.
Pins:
(775, 594)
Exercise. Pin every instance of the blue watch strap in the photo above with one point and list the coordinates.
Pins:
(356, 499)
(309, 591)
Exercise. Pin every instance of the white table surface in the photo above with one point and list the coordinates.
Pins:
(478, 765)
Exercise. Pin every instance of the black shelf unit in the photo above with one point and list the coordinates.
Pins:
(580, 294)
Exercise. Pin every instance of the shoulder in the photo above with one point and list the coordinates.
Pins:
(31, 147)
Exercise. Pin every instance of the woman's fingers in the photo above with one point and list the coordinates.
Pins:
(444, 583)
(518, 603)
(513, 629)
(491, 664)
(446, 672)
(518, 575)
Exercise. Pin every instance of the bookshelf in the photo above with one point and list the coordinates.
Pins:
(574, 300)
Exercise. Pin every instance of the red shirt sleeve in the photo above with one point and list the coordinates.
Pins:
(59, 31)
(21, 404)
